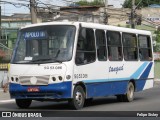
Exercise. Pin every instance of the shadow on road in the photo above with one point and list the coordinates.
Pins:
(65, 106)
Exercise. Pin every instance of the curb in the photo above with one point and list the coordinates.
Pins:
(7, 101)
(1, 90)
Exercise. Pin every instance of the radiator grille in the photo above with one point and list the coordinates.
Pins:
(41, 80)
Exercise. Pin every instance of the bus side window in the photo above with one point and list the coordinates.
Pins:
(130, 47)
(85, 53)
(145, 51)
(101, 45)
(114, 46)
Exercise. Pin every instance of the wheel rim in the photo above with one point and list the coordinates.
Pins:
(131, 91)
(79, 98)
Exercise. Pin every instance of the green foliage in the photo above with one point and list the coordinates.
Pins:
(127, 26)
(157, 69)
(157, 36)
(157, 47)
(143, 3)
(119, 25)
(92, 3)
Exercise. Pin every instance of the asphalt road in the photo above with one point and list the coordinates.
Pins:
(148, 100)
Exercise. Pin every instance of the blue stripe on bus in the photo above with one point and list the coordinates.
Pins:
(106, 89)
(142, 80)
(138, 72)
(51, 91)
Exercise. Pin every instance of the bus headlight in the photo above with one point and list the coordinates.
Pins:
(17, 79)
(12, 79)
(60, 78)
(54, 79)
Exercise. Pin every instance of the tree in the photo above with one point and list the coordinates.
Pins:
(92, 3)
(140, 3)
(157, 47)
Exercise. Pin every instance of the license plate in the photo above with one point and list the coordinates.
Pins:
(33, 89)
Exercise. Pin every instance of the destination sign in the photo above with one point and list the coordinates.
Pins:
(35, 35)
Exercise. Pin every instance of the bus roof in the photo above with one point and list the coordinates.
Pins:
(94, 26)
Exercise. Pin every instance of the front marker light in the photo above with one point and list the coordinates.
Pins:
(68, 77)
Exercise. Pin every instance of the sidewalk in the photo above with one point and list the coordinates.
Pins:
(4, 96)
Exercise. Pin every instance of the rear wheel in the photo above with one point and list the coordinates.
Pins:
(129, 96)
(23, 103)
(77, 102)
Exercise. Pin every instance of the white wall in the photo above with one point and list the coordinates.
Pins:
(3, 78)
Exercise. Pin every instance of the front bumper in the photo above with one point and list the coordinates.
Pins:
(52, 91)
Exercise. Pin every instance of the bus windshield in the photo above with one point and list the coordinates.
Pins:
(44, 44)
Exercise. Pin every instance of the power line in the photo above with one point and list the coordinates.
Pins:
(49, 7)
(17, 5)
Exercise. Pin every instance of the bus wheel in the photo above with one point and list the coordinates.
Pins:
(129, 96)
(23, 103)
(77, 102)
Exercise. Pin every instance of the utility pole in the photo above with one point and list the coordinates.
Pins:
(105, 12)
(33, 11)
(0, 22)
(133, 15)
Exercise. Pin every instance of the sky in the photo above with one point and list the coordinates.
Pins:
(9, 9)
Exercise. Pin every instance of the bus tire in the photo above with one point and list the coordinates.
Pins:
(129, 96)
(77, 102)
(88, 101)
(120, 98)
(23, 103)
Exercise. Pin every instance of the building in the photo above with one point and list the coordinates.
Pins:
(10, 26)
(9, 29)
(81, 13)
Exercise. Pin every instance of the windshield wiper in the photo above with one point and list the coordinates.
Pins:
(42, 59)
(45, 60)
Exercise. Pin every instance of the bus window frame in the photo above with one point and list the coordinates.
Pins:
(148, 48)
(105, 45)
(121, 46)
(130, 46)
(84, 51)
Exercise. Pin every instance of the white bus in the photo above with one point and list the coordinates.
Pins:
(77, 62)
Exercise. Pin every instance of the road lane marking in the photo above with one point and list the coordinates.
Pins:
(7, 101)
